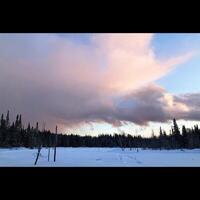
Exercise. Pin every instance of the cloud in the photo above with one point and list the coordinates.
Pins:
(53, 79)
(192, 100)
(152, 104)
(131, 62)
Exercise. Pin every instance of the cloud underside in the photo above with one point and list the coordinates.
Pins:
(112, 79)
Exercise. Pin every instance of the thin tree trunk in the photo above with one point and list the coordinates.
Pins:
(38, 154)
(48, 154)
(39, 145)
(49, 148)
(55, 145)
(130, 145)
(55, 154)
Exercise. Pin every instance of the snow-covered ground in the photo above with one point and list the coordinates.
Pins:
(101, 157)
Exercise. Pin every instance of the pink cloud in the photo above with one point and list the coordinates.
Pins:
(131, 62)
(48, 78)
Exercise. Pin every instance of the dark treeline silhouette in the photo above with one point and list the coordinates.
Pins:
(15, 135)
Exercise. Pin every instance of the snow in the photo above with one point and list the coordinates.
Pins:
(100, 157)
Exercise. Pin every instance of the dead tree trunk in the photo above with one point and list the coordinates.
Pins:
(129, 144)
(39, 144)
(55, 145)
(38, 154)
(49, 147)
(48, 153)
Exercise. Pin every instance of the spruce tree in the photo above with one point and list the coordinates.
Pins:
(175, 127)
(161, 133)
(3, 122)
(184, 135)
(7, 120)
(37, 127)
(29, 127)
(20, 122)
(161, 138)
(17, 121)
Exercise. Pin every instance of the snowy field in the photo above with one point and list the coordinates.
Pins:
(101, 157)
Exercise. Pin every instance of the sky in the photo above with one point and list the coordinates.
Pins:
(101, 83)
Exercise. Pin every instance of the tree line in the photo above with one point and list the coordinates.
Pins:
(16, 135)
